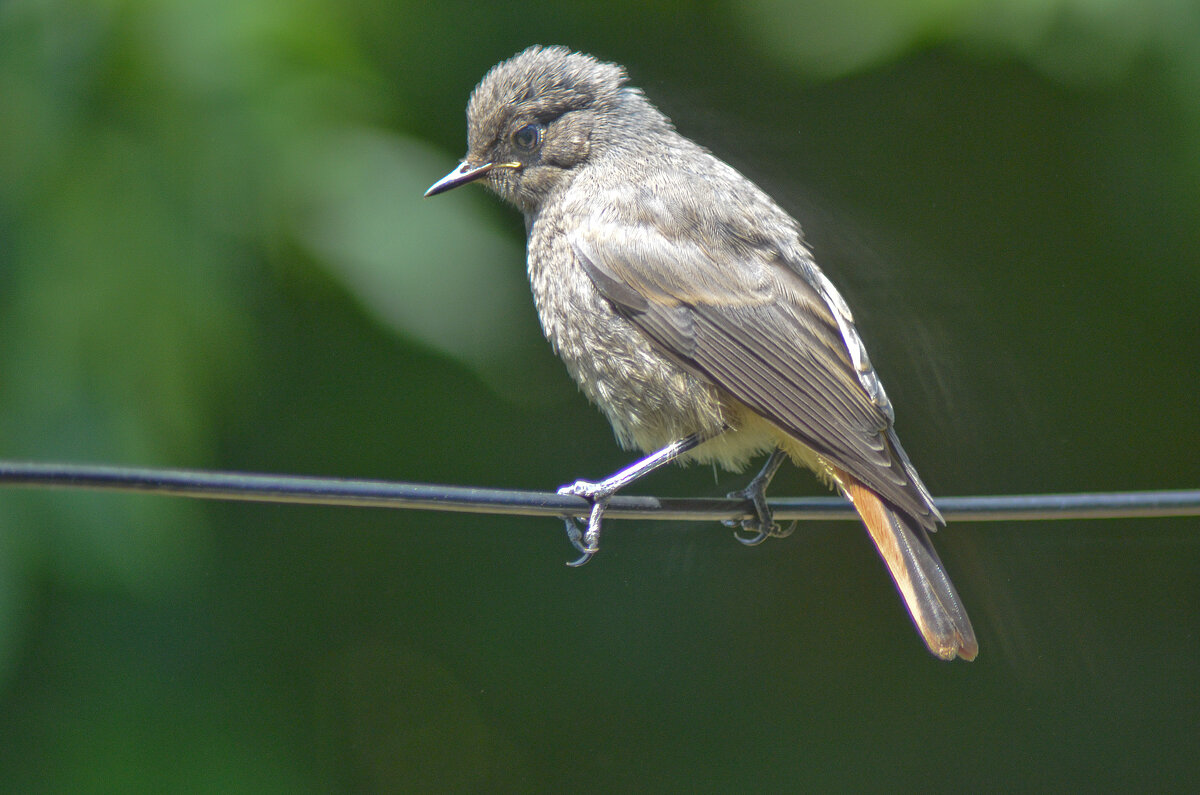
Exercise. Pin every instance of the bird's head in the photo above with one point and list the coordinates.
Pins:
(534, 120)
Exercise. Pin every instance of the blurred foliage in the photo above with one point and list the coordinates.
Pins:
(214, 253)
(1076, 41)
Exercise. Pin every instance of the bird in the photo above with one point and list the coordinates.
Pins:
(689, 309)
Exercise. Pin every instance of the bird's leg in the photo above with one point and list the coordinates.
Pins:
(756, 492)
(588, 542)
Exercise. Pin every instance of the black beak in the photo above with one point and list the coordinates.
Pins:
(460, 176)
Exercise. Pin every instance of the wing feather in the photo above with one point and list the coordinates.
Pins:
(759, 322)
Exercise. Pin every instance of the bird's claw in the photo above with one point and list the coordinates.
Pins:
(582, 559)
(761, 535)
(576, 536)
(762, 525)
(586, 541)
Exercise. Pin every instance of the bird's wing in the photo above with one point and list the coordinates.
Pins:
(767, 327)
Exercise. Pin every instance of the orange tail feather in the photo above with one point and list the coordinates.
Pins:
(906, 548)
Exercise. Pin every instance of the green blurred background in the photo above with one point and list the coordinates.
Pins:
(214, 253)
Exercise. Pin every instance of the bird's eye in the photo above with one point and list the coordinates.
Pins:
(527, 137)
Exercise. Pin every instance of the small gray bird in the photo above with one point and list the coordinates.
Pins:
(686, 305)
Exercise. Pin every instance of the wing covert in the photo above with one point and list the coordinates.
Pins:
(765, 330)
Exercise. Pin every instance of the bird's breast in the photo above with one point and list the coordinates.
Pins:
(650, 399)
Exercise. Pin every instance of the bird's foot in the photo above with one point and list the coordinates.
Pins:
(587, 541)
(761, 535)
(598, 494)
(763, 525)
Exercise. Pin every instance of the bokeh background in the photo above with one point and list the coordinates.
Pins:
(214, 253)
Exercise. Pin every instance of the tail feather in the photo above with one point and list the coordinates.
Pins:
(919, 574)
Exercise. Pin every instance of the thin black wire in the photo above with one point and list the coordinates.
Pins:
(422, 496)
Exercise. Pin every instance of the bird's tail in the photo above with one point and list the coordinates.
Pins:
(918, 572)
